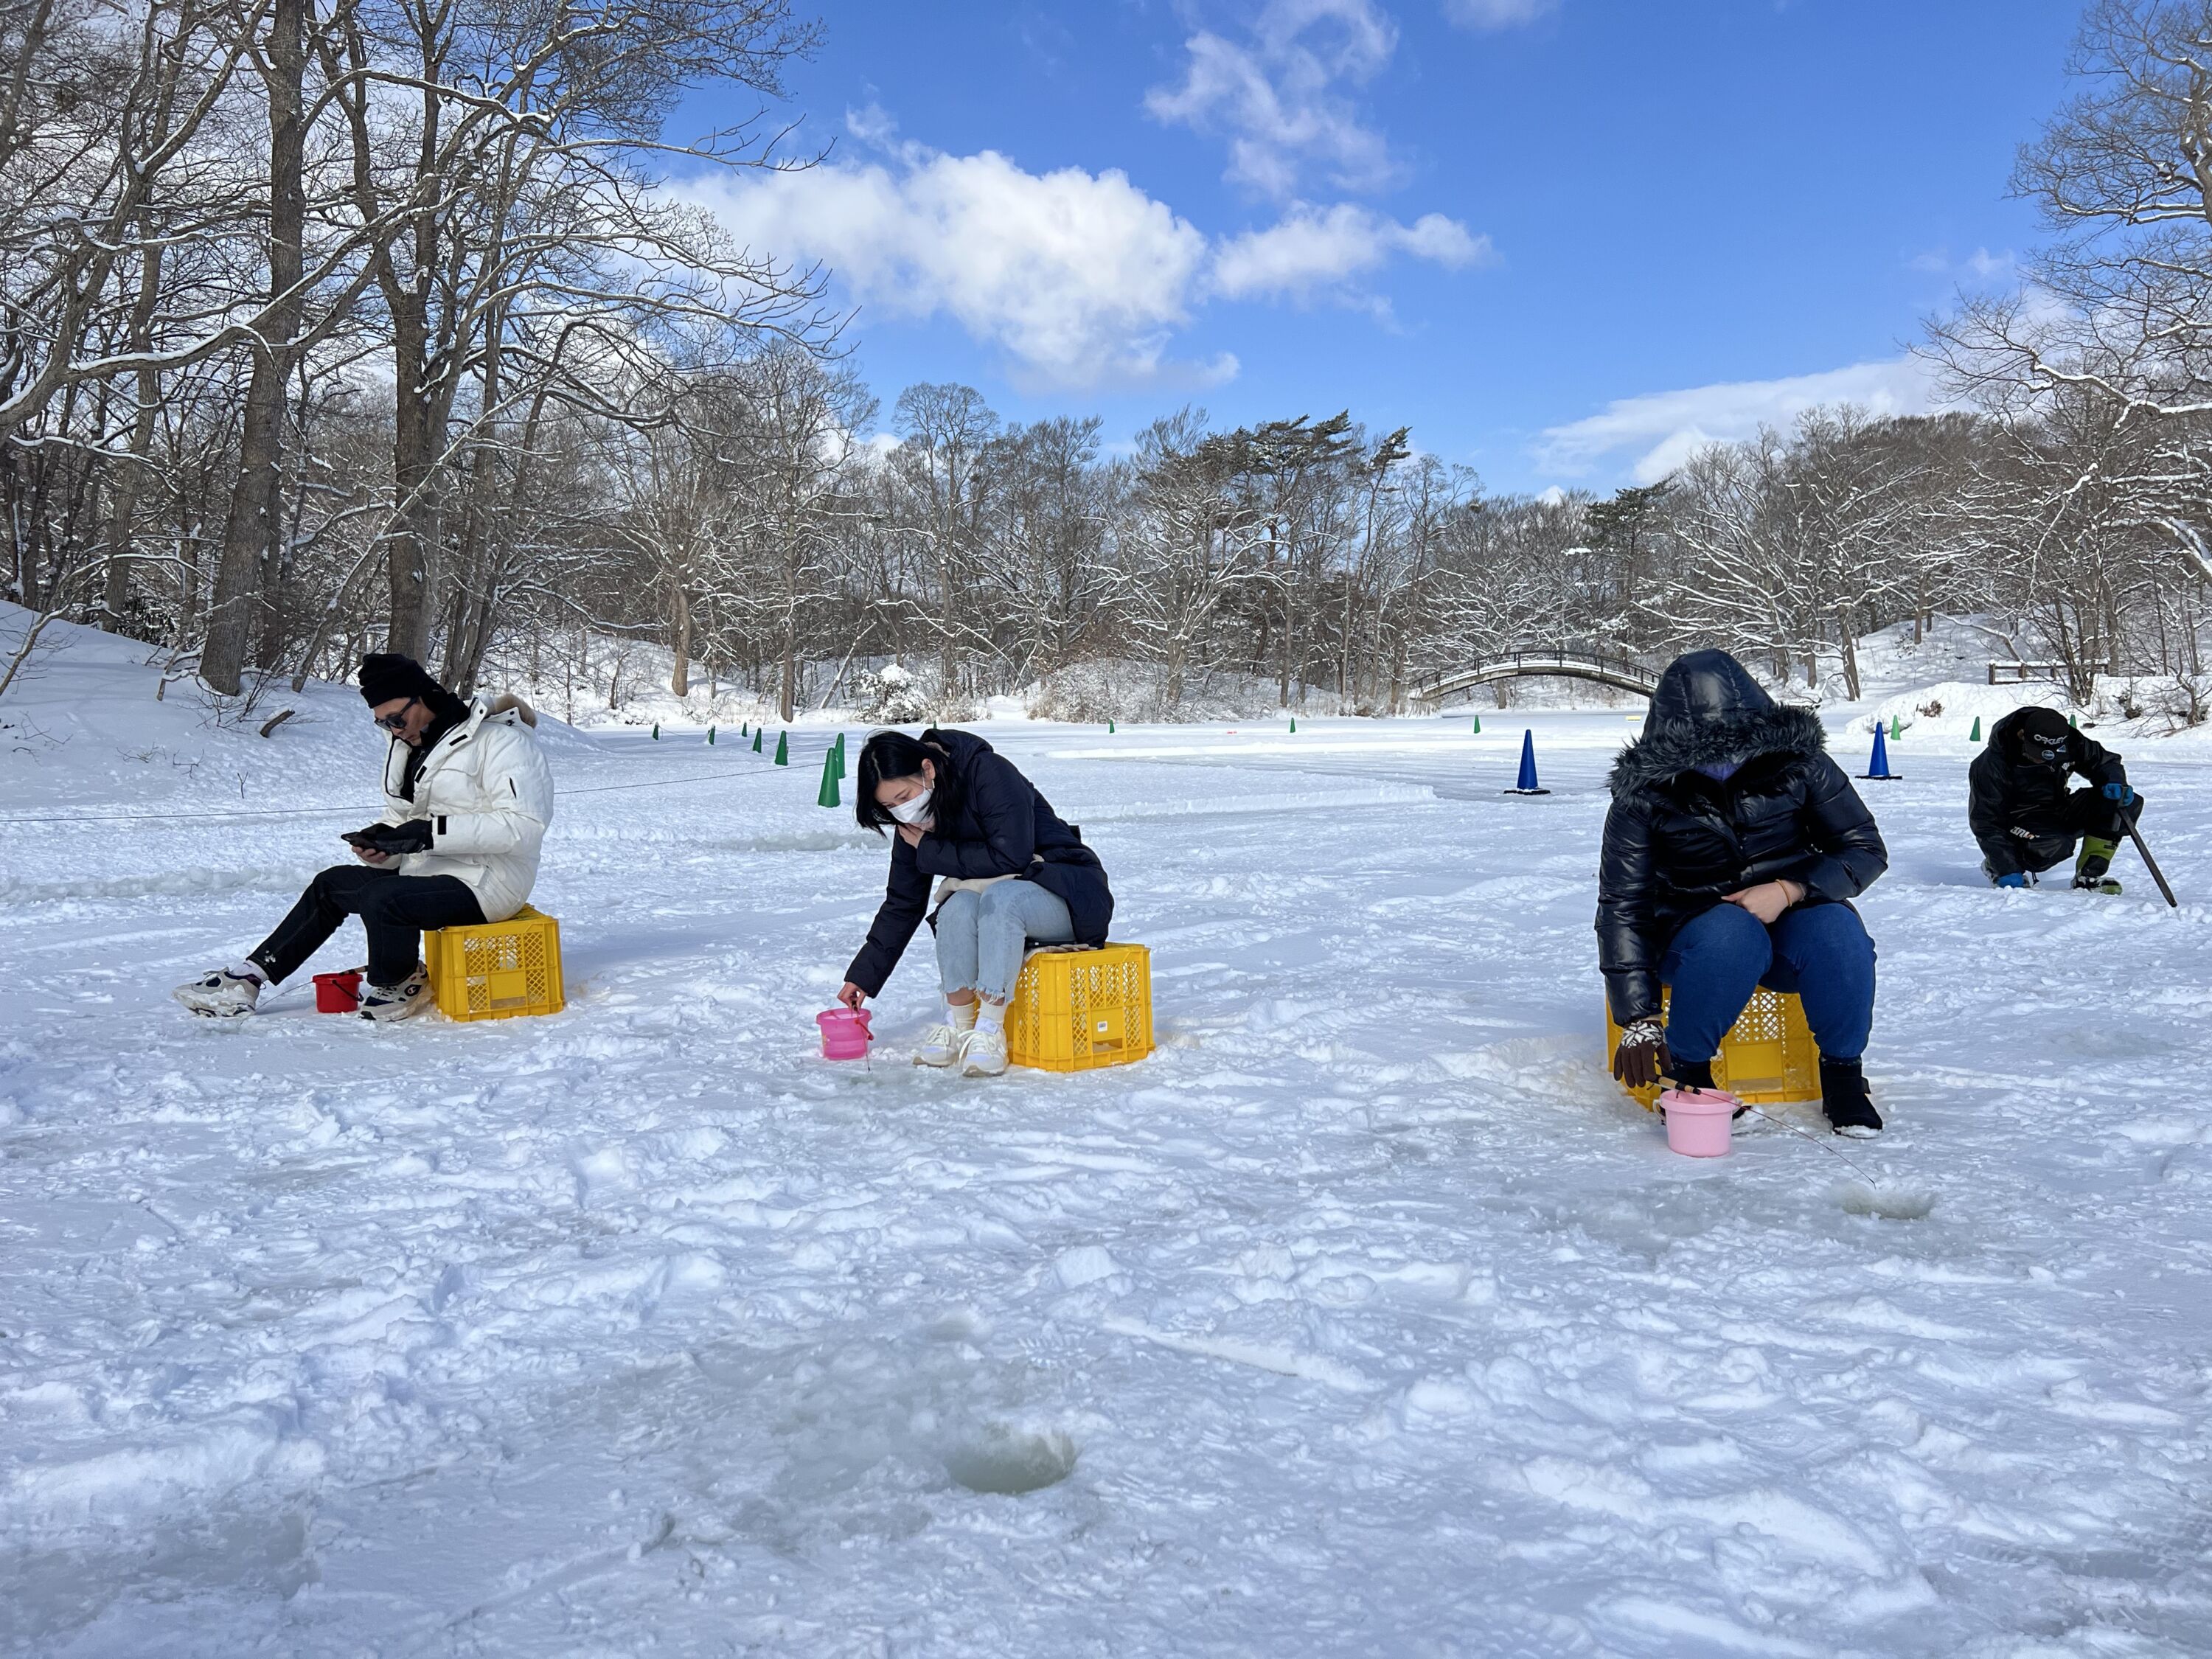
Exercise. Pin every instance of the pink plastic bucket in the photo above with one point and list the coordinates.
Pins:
(845, 1034)
(1698, 1120)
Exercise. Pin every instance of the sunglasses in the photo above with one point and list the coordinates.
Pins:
(398, 722)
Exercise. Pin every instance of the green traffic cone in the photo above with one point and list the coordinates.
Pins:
(710, 737)
(656, 731)
(1478, 725)
(1109, 728)
(756, 738)
(827, 796)
(1975, 736)
(1896, 728)
(744, 729)
(844, 769)
(1294, 725)
(782, 748)
(2071, 722)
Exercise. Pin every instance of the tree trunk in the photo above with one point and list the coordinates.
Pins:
(679, 679)
(250, 528)
(130, 477)
(414, 446)
(789, 700)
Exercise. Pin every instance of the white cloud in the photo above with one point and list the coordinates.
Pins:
(1312, 249)
(1080, 277)
(1664, 428)
(1497, 13)
(1275, 95)
(1981, 266)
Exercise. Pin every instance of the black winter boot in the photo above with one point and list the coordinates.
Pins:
(1843, 1098)
(1693, 1074)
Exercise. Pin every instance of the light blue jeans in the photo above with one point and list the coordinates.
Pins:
(980, 936)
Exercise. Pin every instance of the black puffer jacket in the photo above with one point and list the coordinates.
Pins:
(1677, 842)
(2006, 788)
(991, 821)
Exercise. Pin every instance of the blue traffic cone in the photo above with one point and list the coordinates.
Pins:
(1878, 768)
(1528, 785)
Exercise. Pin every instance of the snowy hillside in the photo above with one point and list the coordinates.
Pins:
(1365, 1316)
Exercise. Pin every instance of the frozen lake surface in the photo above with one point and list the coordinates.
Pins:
(1365, 1316)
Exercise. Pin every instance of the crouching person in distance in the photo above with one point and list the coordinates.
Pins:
(1731, 848)
(1008, 870)
(467, 798)
(2024, 816)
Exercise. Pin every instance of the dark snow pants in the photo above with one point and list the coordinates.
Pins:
(1820, 951)
(393, 908)
(2051, 836)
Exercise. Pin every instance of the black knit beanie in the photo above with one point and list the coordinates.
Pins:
(386, 675)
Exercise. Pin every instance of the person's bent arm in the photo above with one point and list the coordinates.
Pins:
(1851, 854)
(1624, 915)
(906, 899)
(516, 777)
(1006, 805)
(1985, 815)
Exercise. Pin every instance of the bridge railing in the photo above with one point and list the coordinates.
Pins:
(1612, 666)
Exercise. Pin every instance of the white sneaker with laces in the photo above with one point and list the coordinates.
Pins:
(387, 1003)
(220, 994)
(983, 1052)
(940, 1046)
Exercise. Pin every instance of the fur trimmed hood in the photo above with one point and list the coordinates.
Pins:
(1708, 711)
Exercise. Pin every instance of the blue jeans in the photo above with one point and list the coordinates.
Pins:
(1821, 952)
(980, 936)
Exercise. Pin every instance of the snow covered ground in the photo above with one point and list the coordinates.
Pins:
(1365, 1316)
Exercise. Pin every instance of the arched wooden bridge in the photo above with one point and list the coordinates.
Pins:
(1622, 673)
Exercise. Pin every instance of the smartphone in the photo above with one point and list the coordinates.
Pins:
(358, 838)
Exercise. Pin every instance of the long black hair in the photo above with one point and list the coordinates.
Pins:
(895, 755)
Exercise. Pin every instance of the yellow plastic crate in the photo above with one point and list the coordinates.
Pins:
(497, 970)
(1074, 1011)
(1768, 1055)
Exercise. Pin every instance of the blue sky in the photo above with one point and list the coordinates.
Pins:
(1562, 239)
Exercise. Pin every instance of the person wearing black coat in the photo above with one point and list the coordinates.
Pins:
(2026, 818)
(1008, 870)
(1732, 848)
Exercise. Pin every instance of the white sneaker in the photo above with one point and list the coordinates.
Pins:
(220, 994)
(983, 1054)
(385, 1003)
(940, 1046)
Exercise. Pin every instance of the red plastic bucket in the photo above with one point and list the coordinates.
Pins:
(338, 993)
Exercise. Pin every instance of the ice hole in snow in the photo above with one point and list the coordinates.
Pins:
(1008, 1462)
(1891, 1203)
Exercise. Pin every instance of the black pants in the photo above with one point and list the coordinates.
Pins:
(393, 908)
(2051, 835)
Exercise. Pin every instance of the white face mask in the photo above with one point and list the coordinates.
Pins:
(915, 811)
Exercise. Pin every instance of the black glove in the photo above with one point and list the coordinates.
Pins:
(412, 837)
(1642, 1060)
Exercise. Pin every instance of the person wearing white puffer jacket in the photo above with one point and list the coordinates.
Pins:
(467, 800)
